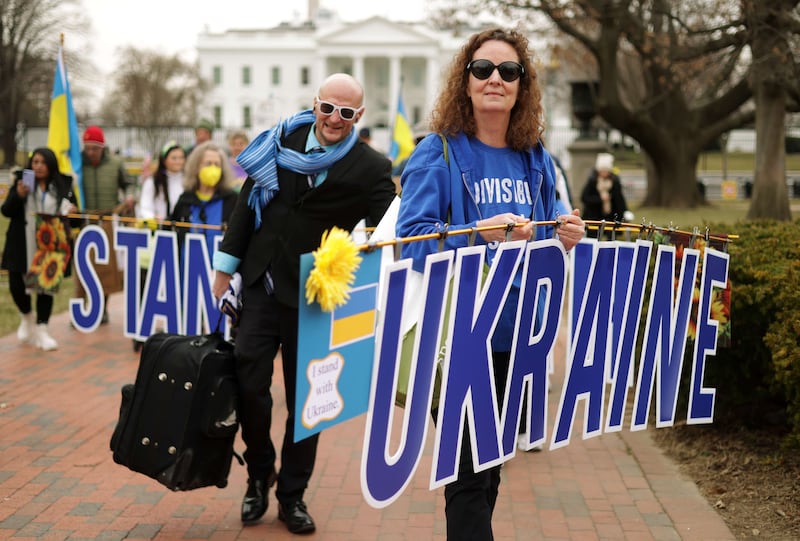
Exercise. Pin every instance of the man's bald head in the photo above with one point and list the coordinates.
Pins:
(341, 83)
(339, 90)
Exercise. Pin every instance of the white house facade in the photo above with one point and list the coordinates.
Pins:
(261, 76)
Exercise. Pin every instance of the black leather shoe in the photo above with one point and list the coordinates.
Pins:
(296, 517)
(254, 504)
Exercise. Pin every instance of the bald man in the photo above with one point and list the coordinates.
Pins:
(325, 177)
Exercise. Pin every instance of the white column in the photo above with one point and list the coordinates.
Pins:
(358, 69)
(321, 71)
(358, 74)
(432, 81)
(394, 87)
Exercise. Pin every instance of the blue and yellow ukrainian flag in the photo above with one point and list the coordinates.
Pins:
(355, 320)
(402, 138)
(62, 130)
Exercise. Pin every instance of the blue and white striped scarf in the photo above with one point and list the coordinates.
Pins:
(261, 158)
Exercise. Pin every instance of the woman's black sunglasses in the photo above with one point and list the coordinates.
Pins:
(483, 69)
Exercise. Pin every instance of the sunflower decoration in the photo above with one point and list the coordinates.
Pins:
(52, 271)
(719, 297)
(51, 259)
(719, 312)
(62, 239)
(46, 236)
(335, 263)
(31, 277)
(58, 227)
(36, 262)
(65, 249)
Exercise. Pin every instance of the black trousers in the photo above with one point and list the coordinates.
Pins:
(265, 327)
(470, 499)
(44, 302)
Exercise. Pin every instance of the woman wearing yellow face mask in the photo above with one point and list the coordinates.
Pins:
(209, 197)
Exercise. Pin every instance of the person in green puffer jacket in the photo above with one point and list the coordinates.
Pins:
(107, 189)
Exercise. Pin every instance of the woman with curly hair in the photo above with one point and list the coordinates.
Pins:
(483, 165)
(51, 193)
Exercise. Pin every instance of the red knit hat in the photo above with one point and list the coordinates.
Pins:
(94, 134)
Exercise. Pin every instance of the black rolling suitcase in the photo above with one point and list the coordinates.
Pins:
(178, 422)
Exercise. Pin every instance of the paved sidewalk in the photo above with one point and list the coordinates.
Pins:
(58, 480)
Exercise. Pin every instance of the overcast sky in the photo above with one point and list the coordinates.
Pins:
(172, 26)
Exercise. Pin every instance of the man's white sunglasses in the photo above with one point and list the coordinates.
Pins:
(347, 113)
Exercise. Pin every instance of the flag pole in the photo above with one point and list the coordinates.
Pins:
(62, 128)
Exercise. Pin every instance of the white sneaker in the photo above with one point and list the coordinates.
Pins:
(26, 328)
(43, 338)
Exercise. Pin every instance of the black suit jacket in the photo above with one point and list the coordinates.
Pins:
(357, 186)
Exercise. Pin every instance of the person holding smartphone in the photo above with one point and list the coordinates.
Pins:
(50, 193)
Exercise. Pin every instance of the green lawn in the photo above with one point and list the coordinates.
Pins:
(721, 211)
(709, 161)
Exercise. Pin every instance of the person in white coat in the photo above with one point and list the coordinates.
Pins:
(158, 196)
(161, 191)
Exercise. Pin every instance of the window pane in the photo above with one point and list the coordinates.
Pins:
(217, 115)
(217, 75)
(246, 75)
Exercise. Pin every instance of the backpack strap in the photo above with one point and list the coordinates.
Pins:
(446, 153)
(449, 207)
(444, 148)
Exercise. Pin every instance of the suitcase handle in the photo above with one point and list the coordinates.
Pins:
(201, 340)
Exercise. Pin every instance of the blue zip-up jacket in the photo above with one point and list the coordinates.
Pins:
(435, 188)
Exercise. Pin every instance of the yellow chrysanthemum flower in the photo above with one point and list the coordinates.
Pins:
(335, 263)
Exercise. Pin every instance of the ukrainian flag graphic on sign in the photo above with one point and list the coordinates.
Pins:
(355, 320)
(335, 351)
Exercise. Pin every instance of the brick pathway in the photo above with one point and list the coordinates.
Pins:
(58, 481)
